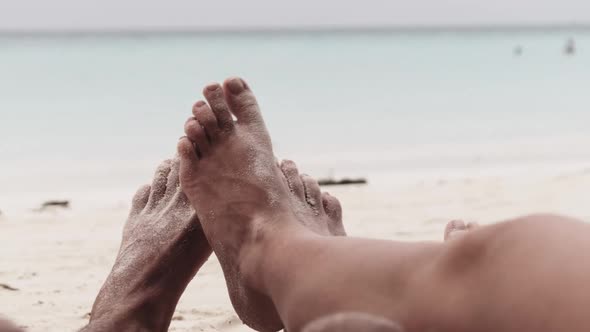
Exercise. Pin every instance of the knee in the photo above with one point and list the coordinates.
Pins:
(351, 322)
(474, 247)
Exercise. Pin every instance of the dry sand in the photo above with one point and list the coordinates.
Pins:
(58, 261)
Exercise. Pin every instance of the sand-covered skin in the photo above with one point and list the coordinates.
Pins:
(59, 261)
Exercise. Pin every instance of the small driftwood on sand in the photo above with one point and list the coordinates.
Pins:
(53, 204)
(8, 287)
(344, 181)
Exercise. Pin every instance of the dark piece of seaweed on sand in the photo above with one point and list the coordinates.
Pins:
(345, 181)
(8, 287)
(53, 205)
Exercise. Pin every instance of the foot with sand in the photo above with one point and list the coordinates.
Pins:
(162, 249)
(229, 173)
(279, 271)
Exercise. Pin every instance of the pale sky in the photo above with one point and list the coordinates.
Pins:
(212, 14)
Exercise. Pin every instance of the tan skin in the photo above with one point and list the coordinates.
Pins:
(521, 275)
(146, 282)
(6, 326)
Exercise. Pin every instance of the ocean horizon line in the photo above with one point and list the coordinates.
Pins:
(292, 30)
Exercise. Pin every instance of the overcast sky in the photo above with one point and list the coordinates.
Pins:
(181, 14)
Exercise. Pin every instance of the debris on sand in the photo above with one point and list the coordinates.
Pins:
(345, 181)
(52, 205)
(62, 204)
(8, 287)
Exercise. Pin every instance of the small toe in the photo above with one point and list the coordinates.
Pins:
(333, 209)
(158, 189)
(214, 95)
(173, 184)
(241, 101)
(453, 228)
(140, 199)
(196, 133)
(291, 173)
(206, 119)
(313, 193)
(332, 206)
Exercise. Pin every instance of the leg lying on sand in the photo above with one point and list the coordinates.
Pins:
(520, 275)
(162, 249)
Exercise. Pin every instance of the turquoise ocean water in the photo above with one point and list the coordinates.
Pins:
(89, 117)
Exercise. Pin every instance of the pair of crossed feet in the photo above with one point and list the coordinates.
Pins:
(246, 205)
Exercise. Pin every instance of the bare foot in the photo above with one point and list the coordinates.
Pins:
(230, 176)
(457, 228)
(162, 249)
(319, 211)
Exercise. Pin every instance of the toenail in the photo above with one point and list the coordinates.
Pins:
(200, 103)
(236, 85)
(212, 87)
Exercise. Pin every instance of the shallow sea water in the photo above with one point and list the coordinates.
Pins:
(89, 117)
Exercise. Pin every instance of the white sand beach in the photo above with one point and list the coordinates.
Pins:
(58, 260)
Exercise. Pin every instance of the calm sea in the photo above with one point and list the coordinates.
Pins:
(89, 117)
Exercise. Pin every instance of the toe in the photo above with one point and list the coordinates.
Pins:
(159, 184)
(188, 159)
(214, 95)
(241, 101)
(173, 183)
(181, 204)
(196, 133)
(333, 209)
(289, 169)
(313, 193)
(140, 199)
(454, 227)
(206, 119)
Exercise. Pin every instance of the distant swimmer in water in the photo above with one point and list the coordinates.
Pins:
(570, 47)
(517, 50)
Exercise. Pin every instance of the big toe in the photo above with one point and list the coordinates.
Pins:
(158, 188)
(241, 101)
(140, 199)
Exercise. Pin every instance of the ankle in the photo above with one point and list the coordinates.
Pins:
(268, 249)
(149, 311)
